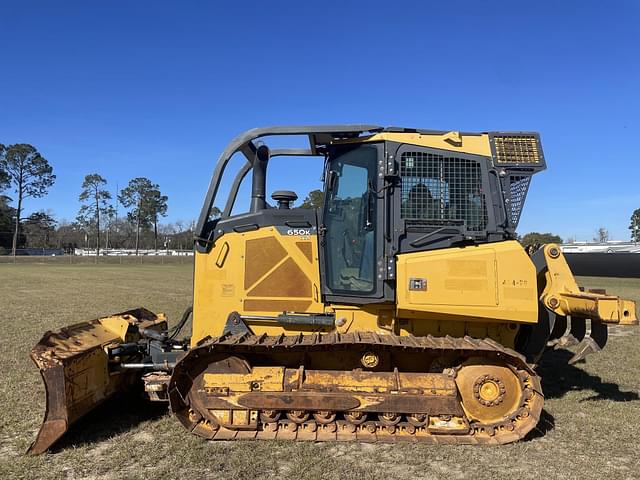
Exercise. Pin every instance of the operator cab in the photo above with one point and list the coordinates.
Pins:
(387, 191)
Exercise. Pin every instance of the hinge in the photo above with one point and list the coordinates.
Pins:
(322, 230)
(387, 268)
(390, 169)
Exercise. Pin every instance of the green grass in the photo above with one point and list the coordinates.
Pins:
(589, 429)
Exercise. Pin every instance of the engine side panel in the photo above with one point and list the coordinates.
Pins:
(263, 272)
(489, 282)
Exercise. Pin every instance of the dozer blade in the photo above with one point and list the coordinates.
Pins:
(74, 365)
(593, 343)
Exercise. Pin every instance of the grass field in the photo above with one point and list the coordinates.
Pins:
(589, 427)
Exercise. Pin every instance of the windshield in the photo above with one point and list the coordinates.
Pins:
(349, 218)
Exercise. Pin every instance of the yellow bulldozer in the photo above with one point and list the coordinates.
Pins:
(403, 308)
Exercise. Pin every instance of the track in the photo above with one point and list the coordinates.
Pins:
(431, 389)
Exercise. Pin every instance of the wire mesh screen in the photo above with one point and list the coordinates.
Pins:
(518, 187)
(516, 149)
(439, 190)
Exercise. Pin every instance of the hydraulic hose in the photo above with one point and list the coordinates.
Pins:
(173, 332)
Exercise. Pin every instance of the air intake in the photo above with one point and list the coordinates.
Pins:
(516, 149)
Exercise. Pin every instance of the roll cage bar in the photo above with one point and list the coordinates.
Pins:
(319, 136)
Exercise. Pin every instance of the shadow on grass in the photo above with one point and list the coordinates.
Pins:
(117, 415)
(546, 423)
(559, 378)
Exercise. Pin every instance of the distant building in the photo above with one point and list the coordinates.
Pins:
(613, 246)
(610, 259)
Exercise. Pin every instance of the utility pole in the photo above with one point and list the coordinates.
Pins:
(117, 205)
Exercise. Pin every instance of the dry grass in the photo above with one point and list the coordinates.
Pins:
(589, 429)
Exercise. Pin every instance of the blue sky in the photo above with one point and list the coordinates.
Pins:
(156, 89)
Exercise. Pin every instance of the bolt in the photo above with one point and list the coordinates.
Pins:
(554, 252)
(369, 360)
(553, 302)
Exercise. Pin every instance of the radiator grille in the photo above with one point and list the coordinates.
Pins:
(519, 149)
(439, 190)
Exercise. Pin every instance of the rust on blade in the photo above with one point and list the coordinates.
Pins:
(56, 419)
(74, 365)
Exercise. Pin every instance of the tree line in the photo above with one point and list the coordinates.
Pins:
(25, 173)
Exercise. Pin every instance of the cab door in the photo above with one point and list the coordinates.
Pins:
(351, 240)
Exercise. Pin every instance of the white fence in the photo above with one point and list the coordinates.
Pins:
(83, 252)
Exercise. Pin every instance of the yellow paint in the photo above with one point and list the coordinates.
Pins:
(365, 318)
(488, 282)
(562, 295)
(489, 390)
(366, 387)
(81, 351)
(472, 376)
(379, 382)
(481, 291)
(219, 286)
(452, 141)
(273, 379)
(236, 418)
(116, 325)
(264, 379)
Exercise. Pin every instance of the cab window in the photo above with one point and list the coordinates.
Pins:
(349, 219)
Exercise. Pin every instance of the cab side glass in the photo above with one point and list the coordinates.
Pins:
(349, 224)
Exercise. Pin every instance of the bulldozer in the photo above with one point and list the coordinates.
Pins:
(402, 308)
